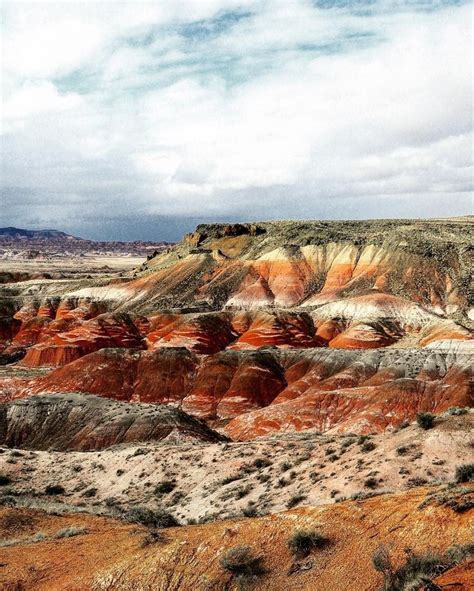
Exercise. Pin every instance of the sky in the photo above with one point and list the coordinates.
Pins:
(138, 120)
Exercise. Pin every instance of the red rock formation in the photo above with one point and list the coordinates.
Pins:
(164, 376)
(202, 333)
(295, 389)
(106, 330)
(31, 332)
(360, 410)
(109, 372)
(280, 329)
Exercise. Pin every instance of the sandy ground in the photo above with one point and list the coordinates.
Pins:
(72, 265)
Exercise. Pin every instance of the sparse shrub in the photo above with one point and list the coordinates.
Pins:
(15, 520)
(89, 493)
(231, 478)
(165, 487)
(418, 568)
(425, 420)
(141, 451)
(262, 463)
(54, 489)
(402, 450)
(250, 511)
(120, 472)
(465, 473)
(242, 492)
(242, 563)
(5, 480)
(151, 518)
(368, 446)
(382, 562)
(153, 537)
(456, 411)
(295, 500)
(371, 483)
(69, 532)
(177, 497)
(362, 495)
(303, 541)
(416, 481)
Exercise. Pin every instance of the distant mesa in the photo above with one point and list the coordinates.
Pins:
(12, 232)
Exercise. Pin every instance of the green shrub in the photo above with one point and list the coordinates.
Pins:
(5, 480)
(303, 541)
(425, 420)
(368, 446)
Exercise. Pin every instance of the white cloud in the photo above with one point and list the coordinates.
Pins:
(294, 104)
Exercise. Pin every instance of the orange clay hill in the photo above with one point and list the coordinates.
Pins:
(273, 405)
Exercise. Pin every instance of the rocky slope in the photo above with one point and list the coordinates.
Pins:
(75, 421)
(201, 479)
(105, 554)
(56, 332)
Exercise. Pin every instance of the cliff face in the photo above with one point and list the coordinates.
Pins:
(77, 422)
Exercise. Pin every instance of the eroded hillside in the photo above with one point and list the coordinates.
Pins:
(104, 554)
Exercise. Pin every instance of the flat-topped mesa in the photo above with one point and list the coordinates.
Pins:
(288, 264)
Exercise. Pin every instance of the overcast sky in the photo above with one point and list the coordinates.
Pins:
(129, 120)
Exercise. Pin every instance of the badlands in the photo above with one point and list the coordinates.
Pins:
(274, 405)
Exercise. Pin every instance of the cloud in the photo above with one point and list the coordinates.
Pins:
(235, 110)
